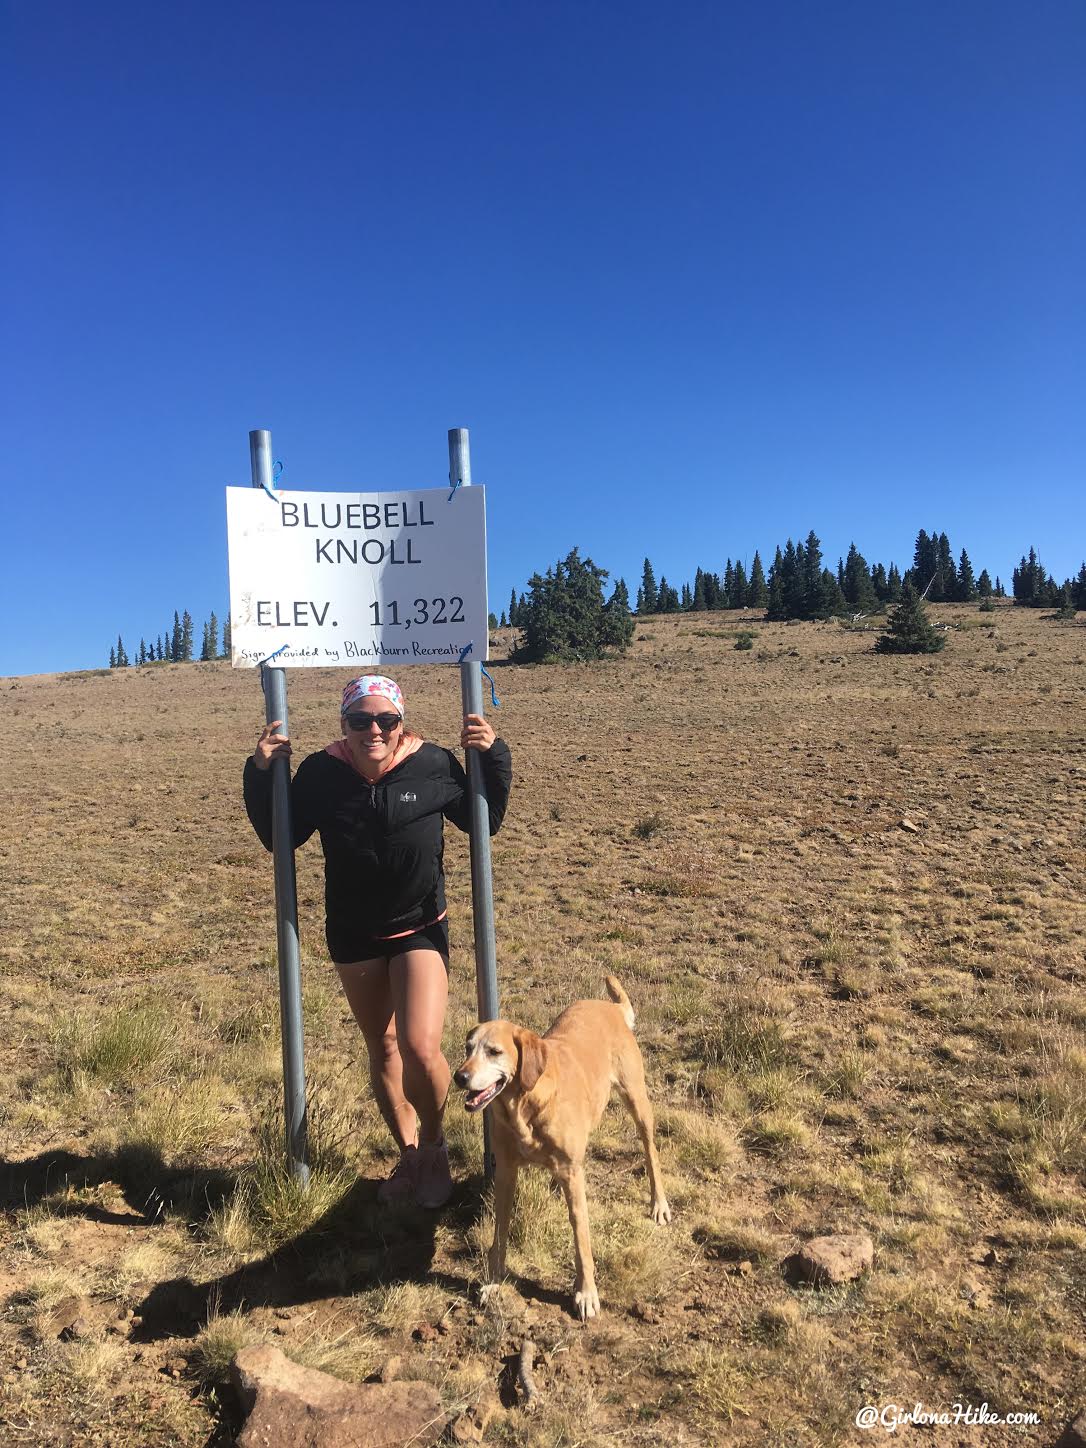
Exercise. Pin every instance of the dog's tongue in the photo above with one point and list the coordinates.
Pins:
(479, 1099)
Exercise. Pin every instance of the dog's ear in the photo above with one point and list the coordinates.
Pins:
(533, 1058)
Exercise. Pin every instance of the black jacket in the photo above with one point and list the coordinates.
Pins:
(383, 843)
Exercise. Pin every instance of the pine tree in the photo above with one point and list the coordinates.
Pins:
(728, 588)
(204, 646)
(1065, 601)
(565, 615)
(141, 657)
(175, 639)
(945, 574)
(829, 600)
(213, 636)
(698, 602)
(795, 580)
(647, 593)
(965, 588)
(122, 657)
(186, 637)
(739, 585)
(1031, 585)
(512, 608)
(879, 583)
(925, 562)
(908, 629)
(984, 584)
(687, 599)
(812, 577)
(893, 584)
(667, 598)
(226, 637)
(1080, 588)
(491, 623)
(757, 592)
(503, 622)
(775, 606)
(857, 587)
(618, 624)
(113, 661)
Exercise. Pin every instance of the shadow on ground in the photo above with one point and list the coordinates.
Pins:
(150, 1188)
(357, 1244)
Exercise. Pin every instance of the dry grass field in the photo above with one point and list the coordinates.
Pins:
(847, 1024)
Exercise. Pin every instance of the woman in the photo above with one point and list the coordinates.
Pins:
(378, 796)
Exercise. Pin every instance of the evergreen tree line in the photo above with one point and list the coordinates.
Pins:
(799, 585)
(1034, 588)
(175, 646)
(563, 615)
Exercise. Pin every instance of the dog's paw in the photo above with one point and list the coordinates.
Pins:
(587, 1302)
(661, 1212)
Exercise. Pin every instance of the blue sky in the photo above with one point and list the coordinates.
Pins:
(697, 277)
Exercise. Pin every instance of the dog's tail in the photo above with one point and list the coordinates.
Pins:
(621, 999)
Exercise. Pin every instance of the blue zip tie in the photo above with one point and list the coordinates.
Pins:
(493, 692)
(270, 489)
(454, 488)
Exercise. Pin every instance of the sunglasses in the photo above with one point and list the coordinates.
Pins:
(384, 722)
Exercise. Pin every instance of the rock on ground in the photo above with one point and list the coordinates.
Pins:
(294, 1407)
(827, 1261)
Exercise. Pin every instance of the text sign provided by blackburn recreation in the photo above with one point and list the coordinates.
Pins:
(357, 579)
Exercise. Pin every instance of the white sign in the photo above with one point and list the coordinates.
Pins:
(361, 580)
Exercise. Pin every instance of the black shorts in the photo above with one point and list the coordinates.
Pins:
(349, 949)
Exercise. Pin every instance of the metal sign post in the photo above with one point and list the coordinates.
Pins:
(482, 881)
(286, 892)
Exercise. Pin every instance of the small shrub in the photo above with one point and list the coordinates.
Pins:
(908, 629)
(748, 1036)
(219, 1343)
(651, 825)
(110, 1049)
(745, 639)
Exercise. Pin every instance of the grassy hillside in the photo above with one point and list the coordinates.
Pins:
(846, 895)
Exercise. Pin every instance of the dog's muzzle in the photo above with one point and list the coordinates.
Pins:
(476, 1100)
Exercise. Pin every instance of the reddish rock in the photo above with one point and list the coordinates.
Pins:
(294, 1407)
(68, 1314)
(828, 1261)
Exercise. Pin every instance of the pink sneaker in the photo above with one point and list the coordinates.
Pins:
(400, 1185)
(433, 1183)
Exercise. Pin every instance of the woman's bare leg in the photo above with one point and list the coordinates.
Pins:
(366, 986)
(419, 988)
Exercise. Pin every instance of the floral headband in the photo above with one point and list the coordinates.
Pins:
(368, 684)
